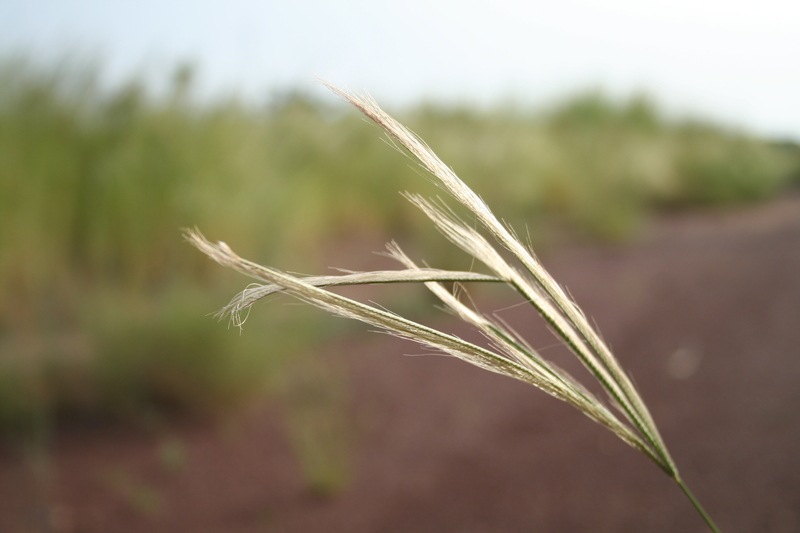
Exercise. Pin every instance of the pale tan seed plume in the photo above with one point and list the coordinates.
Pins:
(257, 291)
(508, 354)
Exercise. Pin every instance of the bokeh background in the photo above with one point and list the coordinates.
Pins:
(585, 123)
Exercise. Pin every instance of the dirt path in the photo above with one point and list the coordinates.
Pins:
(705, 312)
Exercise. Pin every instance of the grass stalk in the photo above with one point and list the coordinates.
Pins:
(508, 354)
(697, 505)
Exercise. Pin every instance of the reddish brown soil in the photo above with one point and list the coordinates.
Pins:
(705, 313)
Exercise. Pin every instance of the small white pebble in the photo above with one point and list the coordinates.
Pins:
(683, 363)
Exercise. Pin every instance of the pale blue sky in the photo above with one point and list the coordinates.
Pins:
(738, 62)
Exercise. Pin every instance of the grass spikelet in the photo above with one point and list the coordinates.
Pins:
(508, 353)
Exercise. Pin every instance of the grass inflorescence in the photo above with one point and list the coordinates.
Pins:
(508, 353)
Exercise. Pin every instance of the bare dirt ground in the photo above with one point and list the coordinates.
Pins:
(704, 310)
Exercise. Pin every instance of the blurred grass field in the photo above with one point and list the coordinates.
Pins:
(104, 310)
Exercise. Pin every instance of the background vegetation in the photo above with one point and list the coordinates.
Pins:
(103, 310)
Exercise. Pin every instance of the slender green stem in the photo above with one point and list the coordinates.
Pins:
(697, 505)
